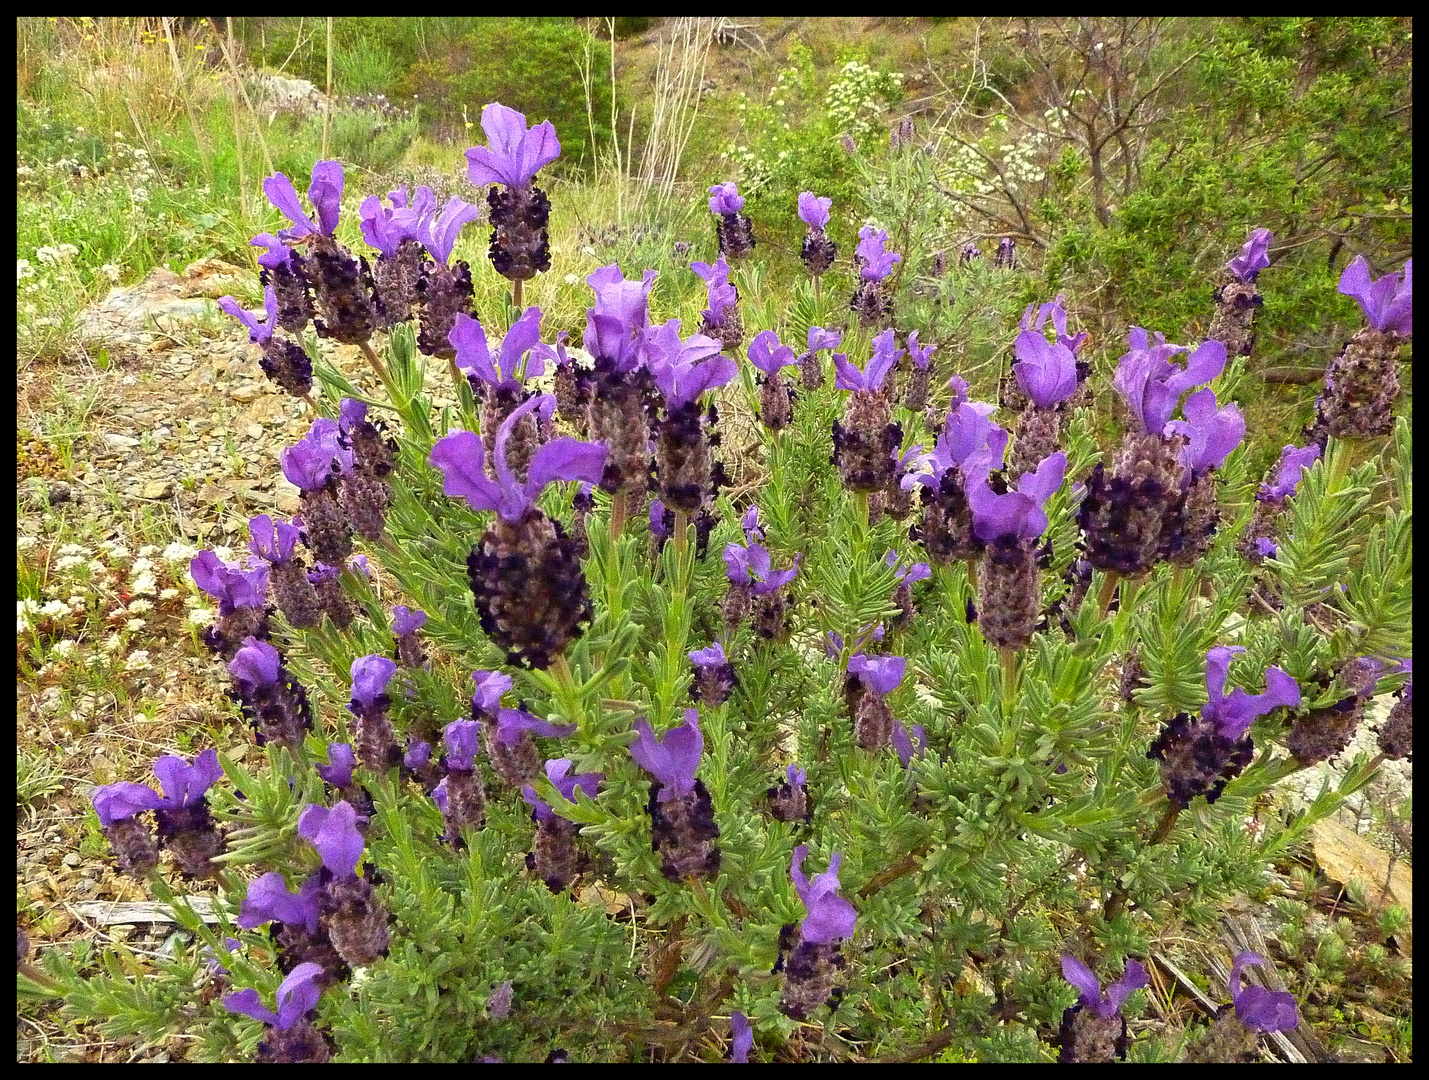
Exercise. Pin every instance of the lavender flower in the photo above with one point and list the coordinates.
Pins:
(118, 807)
(734, 231)
(356, 922)
(185, 825)
(968, 442)
(969, 252)
(811, 371)
(300, 936)
(909, 745)
(1211, 435)
(1238, 299)
(275, 542)
(1006, 254)
(283, 361)
(721, 319)
(715, 679)
(770, 357)
(1152, 385)
(915, 394)
(340, 763)
(1396, 734)
(683, 828)
(555, 858)
(1046, 372)
(291, 1036)
(460, 794)
(490, 685)
(498, 1005)
(376, 743)
(286, 271)
(750, 574)
(405, 624)
(790, 801)
(272, 700)
(1253, 257)
(501, 380)
(817, 251)
(1201, 756)
(400, 268)
(905, 577)
(240, 594)
(814, 958)
(314, 465)
(1322, 734)
(525, 573)
(870, 680)
(683, 371)
(871, 301)
(1255, 1006)
(1363, 381)
(866, 439)
(1094, 1029)
(512, 750)
(520, 247)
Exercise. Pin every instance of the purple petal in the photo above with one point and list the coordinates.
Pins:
(490, 685)
(725, 199)
(462, 743)
(1212, 433)
(881, 674)
(325, 193)
(284, 197)
(558, 771)
(711, 657)
(268, 900)
(370, 676)
(1047, 373)
(272, 541)
(819, 338)
(736, 564)
(1253, 257)
(1293, 461)
(657, 520)
(299, 993)
(248, 1003)
(846, 376)
(768, 355)
(902, 744)
(1134, 978)
(258, 333)
(185, 784)
(473, 356)
(417, 756)
(565, 458)
(406, 621)
(1218, 666)
(919, 354)
(278, 253)
(439, 796)
(335, 835)
(1081, 977)
(441, 230)
(511, 724)
(877, 262)
(885, 355)
(121, 801)
(741, 1034)
(515, 154)
(523, 337)
(830, 917)
(257, 663)
(1255, 1006)
(813, 210)
(340, 763)
(1239, 709)
(672, 759)
(1267, 547)
(461, 458)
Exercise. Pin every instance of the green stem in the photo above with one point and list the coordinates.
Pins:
(516, 291)
(39, 978)
(860, 502)
(381, 370)
(971, 565)
(1009, 681)
(1104, 598)
(682, 521)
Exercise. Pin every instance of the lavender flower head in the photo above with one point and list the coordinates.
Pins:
(711, 657)
(1256, 1007)
(683, 370)
(721, 294)
(673, 758)
(876, 262)
(490, 685)
(879, 674)
(384, 228)
(228, 583)
(969, 441)
(504, 371)
(515, 152)
(462, 745)
(316, 456)
(885, 356)
(461, 457)
(829, 916)
(919, 354)
(1152, 385)
(725, 199)
(1017, 514)
(1035, 318)
(1104, 1005)
(1294, 462)
(1253, 257)
(272, 541)
(909, 744)
(513, 724)
(814, 210)
(335, 835)
(370, 676)
(257, 664)
(1387, 302)
(1211, 433)
(438, 230)
(1046, 372)
(558, 772)
(268, 900)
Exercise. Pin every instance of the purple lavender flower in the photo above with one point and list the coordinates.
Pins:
(741, 1036)
(274, 702)
(814, 958)
(228, 583)
(1253, 257)
(1294, 462)
(340, 763)
(505, 371)
(672, 758)
(555, 856)
(968, 441)
(558, 772)
(283, 361)
(405, 624)
(682, 825)
(1211, 433)
(268, 900)
(1094, 1030)
(1256, 1007)
(625, 303)
(272, 541)
(789, 801)
(768, 355)
(659, 526)
(384, 228)
(1035, 318)
(1152, 385)
(879, 674)
(725, 199)
(1046, 372)
(749, 524)
(1199, 757)
(258, 333)
(722, 297)
(813, 210)
(1017, 514)
(185, 825)
(335, 835)
(118, 807)
(275, 542)
(513, 751)
(315, 457)
(370, 676)
(969, 252)
(1396, 733)
(325, 194)
(515, 153)
(714, 675)
(438, 230)
(909, 745)
(1266, 547)
(752, 566)
(291, 1036)
(1006, 253)
(685, 369)
(372, 729)
(876, 262)
(885, 356)
(462, 745)
(461, 459)
(490, 685)
(1387, 302)
(810, 369)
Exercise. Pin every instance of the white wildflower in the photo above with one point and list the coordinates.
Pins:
(23, 269)
(134, 625)
(65, 649)
(74, 549)
(200, 616)
(55, 609)
(138, 660)
(168, 594)
(179, 553)
(112, 643)
(145, 585)
(140, 565)
(138, 607)
(110, 271)
(68, 562)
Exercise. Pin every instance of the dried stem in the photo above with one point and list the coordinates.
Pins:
(617, 515)
(1108, 591)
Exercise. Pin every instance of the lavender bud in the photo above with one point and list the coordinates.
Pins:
(774, 405)
(810, 970)
(520, 246)
(555, 858)
(1233, 323)
(344, 289)
(1360, 386)
(135, 852)
(1197, 758)
(818, 252)
(1009, 588)
(446, 293)
(295, 596)
(397, 279)
(683, 831)
(288, 365)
